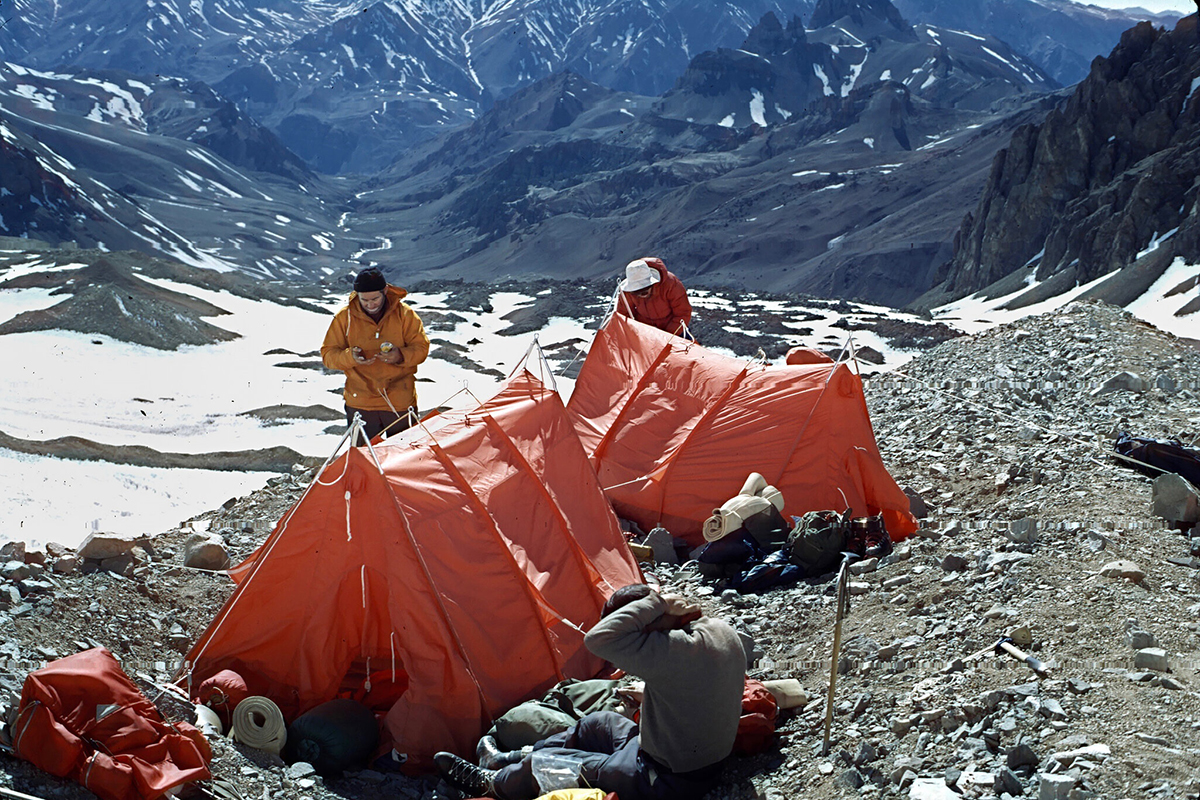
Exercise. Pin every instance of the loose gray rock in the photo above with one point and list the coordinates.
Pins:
(1055, 787)
(99, 546)
(205, 551)
(1140, 640)
(850, 779)
(916, 504)
(1021, 756)
(932, 789)
(1022, 531)
(12, 551)
(15, 571)
(663, 545)
(1121, 382)
(1174, 499)
(1007, 781)
(10, 596)
(955, 563)
(1153, 658)
(65, 565)
(1123, 569)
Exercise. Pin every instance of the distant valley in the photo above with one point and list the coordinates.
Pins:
(829, 148)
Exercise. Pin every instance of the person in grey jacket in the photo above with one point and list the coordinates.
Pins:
(694, 669)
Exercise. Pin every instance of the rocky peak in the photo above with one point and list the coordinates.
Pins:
(874, 17)
(548, 105)
(1110, 171)
(769, 38)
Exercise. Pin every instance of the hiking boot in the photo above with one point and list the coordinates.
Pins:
(490, 756)
(474, 780)
(878, 543)
(868, 537)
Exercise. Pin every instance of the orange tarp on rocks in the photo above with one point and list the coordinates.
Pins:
(674, 428)
(454, 574)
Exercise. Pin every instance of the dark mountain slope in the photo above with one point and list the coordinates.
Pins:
(1110, 172)
(791, 163)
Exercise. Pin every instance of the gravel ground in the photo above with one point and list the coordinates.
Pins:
(1006, 437)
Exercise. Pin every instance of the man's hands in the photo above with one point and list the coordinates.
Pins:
(679, 613)
(393, 356)
(686, 610)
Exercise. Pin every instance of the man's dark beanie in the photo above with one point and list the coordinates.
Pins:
(370, 280)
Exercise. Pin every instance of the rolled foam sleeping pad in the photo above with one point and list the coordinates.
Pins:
(334, 736)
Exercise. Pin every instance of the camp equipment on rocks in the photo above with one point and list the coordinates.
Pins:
(818, 541)
(207, 721)
(222, 693)
(82, 718)
(756, 507)
(440, 577)
(788, 692)
(258, 723)
(669, 425)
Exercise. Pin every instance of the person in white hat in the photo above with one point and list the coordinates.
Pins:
(652, 295)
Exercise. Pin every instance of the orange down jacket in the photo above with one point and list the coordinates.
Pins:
(82, 718)
(667, 308)
(367, 384)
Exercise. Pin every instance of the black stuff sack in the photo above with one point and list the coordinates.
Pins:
(1158, 456)
(335, 736)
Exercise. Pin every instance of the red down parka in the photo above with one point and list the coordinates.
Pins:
(82, 718)
(367, 383)
(667, 308)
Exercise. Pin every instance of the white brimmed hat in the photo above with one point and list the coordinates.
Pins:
(639, 275)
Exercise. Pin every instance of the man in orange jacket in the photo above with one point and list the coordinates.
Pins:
(378, 341)
(656, 297)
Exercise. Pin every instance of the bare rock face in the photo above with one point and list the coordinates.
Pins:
(1174, 499)
(1107, 173)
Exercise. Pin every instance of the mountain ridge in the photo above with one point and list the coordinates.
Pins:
(1105, 179)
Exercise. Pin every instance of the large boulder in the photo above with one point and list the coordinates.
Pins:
(100, 546)
(1174, 499)
(205, 551)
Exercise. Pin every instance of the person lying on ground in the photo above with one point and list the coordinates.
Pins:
(694, 668)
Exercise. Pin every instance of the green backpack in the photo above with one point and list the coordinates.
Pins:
(818, 540)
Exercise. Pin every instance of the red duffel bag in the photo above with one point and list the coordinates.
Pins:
(82, 718)
(756, 728)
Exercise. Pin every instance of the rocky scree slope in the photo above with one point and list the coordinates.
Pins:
(1034, 402)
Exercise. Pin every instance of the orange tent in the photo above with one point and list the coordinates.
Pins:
(673, 429)
(441, 576)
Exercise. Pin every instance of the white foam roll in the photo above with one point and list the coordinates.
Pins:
(258, 723)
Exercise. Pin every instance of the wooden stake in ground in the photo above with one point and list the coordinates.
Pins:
(843, 608)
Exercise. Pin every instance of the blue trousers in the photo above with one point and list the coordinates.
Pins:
(607, 747)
